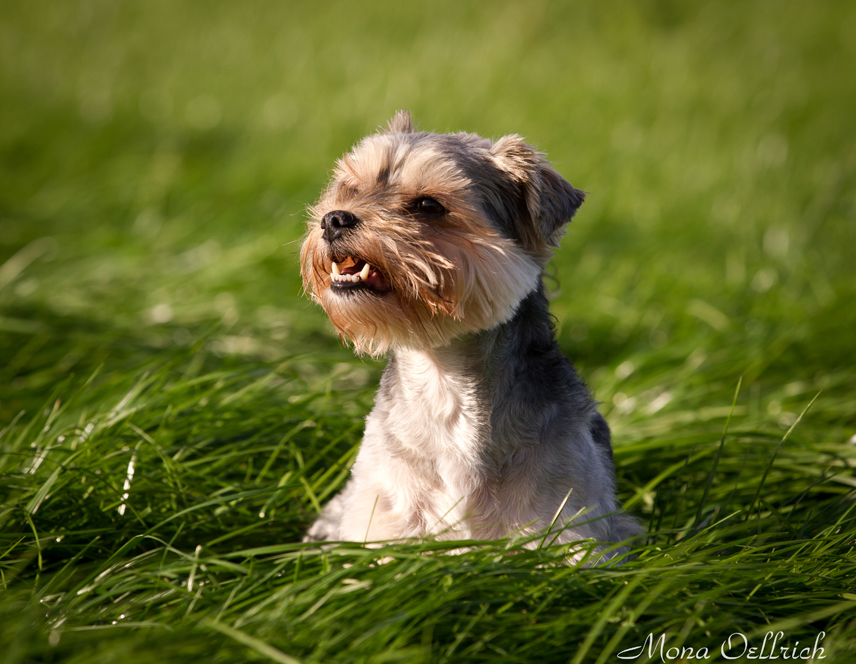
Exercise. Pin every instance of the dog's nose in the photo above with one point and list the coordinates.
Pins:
(335, 223)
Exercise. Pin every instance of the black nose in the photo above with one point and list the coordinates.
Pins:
(335, 224)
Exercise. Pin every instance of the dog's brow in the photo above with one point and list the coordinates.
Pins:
(383, 174)
(392, 158)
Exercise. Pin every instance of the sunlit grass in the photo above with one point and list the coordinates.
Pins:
(173, 412)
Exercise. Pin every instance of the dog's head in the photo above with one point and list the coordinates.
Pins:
(422, 237)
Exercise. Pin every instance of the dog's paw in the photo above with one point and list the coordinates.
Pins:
(322, 530)
(326, 526)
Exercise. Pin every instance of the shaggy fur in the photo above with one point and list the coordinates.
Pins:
(481, 426)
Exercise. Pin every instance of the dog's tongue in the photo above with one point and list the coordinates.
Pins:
(376, 281)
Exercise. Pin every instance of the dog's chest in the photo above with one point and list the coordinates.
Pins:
(434, 412)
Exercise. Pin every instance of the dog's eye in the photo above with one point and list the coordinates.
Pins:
(429, 205)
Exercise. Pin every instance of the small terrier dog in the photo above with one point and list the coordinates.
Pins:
(431, 247)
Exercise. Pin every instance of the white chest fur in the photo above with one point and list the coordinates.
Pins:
(420, 458)
(437, 414)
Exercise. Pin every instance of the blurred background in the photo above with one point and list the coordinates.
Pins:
(156, 159)
(174, 411)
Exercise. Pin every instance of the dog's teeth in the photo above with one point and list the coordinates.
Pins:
(336, 269)
(364, 273)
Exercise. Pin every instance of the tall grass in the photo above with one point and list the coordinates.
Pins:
(173, 413)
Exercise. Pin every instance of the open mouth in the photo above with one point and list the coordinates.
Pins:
(356, 274)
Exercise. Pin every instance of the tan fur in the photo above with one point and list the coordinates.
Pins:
(457, 276)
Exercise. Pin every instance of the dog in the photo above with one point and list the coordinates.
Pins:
(431, 248)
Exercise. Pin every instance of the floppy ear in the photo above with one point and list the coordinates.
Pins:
(548, 200)
(401, 123)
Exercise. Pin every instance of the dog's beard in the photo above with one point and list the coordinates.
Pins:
(442, 283)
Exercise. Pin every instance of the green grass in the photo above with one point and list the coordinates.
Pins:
(155, 160)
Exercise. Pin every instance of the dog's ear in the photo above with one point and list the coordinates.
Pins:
(401, 123)
(560, 201)
(547, 201)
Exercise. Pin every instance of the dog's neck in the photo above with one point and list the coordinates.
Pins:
(489, 357)
(487, 380)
